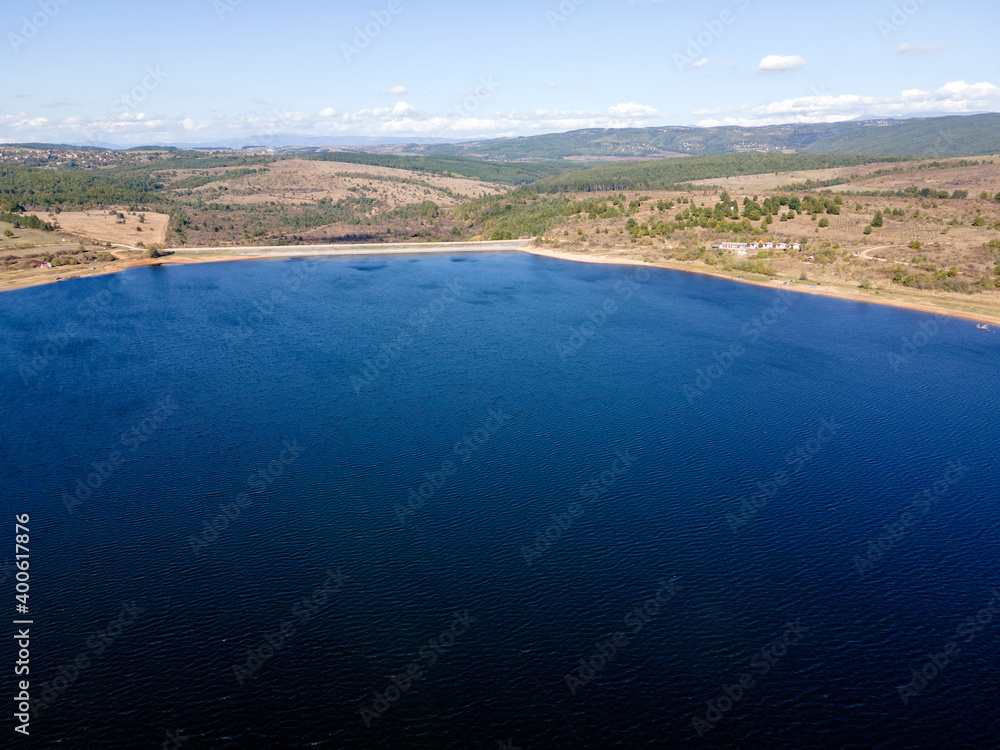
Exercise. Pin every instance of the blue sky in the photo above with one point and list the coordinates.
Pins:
(203, 70)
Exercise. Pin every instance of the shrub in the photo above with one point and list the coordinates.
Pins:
(755, 266)
(915, 245)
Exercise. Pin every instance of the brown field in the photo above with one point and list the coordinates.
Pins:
(770, 181)
(966, 178)
(29, 237)
(34, 244)
(303, 181)
(102, 225)
(974, 179)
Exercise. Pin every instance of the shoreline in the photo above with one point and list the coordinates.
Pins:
(904, 301)
(185, 256)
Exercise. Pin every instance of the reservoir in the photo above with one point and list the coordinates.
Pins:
(456, 501)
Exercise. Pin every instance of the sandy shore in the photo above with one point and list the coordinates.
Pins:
(981, 307)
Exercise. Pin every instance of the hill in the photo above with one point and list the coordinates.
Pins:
(969, 135)
(475, 169)
(972, 135)
(665, 174)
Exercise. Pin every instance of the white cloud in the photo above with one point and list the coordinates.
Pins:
(700, 63)
(631, 109)
(957, 97)
(400, 119)
(395, 91)
(780, 63)
(917, 49)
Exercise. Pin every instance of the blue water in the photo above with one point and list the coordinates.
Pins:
(549, 414)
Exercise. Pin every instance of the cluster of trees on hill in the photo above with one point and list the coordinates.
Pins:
(914, 192)
(943, 280)
(672, 174)
(516, 214)
(524, 213)
(195, 160)
(73, 187)
(13, 213)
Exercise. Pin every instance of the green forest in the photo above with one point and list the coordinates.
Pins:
(969, 135)
(46, 188)
(672, 174)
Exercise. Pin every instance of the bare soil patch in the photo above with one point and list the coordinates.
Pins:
(115, 225)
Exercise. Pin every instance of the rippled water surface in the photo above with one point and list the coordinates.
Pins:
(306, 478)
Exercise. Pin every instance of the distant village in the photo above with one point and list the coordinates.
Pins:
(57, 157)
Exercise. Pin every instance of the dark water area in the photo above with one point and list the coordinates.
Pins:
(395, 501)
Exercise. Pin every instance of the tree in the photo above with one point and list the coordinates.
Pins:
(7, 233)
(824, 222)
(877, 221)
(979, 221)
(868, 229)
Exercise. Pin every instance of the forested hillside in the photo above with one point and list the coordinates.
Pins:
(669, 173)
(974, 135)
(969, 135)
